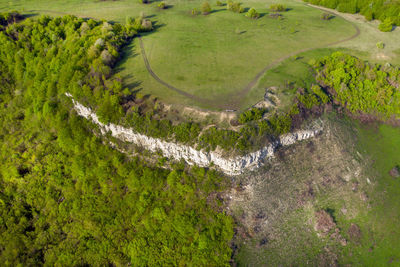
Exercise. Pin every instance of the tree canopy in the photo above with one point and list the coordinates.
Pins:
(66, 198)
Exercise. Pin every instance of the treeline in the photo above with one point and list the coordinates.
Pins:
(375, 9)
(359, 86)
(65, 198)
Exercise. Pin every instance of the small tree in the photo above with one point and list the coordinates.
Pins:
(162, 5)
(205, 8)
(386, 25)
(252, 13)
(219, 3)
(195, 12)
(326, 16)
(380, 45)
(234, 6)
(278, 8)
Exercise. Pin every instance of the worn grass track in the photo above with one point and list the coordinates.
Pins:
(235, 98)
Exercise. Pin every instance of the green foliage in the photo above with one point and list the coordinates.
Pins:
(348, 7)
(205, 8)
(323, 97)
(219, 3)
(195, 12)
(327, 16)
(361, 87)
(139, 24)
(386, 25)
(251, 115)
(277, 8)
(380, 45)
(66, 198)
(252, 13)
(9, 17)
(375, 9)
(234, 6)
(162, 5)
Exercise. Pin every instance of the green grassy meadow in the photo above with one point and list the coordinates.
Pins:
(212, 57)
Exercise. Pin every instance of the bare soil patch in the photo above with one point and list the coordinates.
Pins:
(354, 233)
(395, 172)
(324, 222)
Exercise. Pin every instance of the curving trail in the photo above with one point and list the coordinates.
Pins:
(160, 81)
(235, 98)
(231, 101)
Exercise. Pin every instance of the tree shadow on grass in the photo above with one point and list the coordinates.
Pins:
(331, 212)
(25, 16)
(216, 10)
(127, 52)
(262, 15)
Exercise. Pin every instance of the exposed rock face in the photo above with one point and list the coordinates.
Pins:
(230, 166)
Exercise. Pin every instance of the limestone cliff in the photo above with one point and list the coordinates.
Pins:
(230, 166)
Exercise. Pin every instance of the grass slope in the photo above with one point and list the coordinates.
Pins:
(344, 171)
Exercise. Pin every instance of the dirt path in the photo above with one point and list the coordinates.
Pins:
(232, 101)
(160, 81)
(255, 80)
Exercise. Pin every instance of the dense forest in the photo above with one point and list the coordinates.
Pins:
(385, 11)
(65, 198)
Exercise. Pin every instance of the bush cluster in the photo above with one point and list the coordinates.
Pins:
(278, 8)
(234, 6)
(361, 87)
(252, 13)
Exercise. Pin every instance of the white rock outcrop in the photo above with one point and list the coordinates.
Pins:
(230, 166)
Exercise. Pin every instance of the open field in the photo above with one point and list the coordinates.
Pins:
(213, 57)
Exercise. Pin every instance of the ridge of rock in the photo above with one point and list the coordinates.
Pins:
(231, 166)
